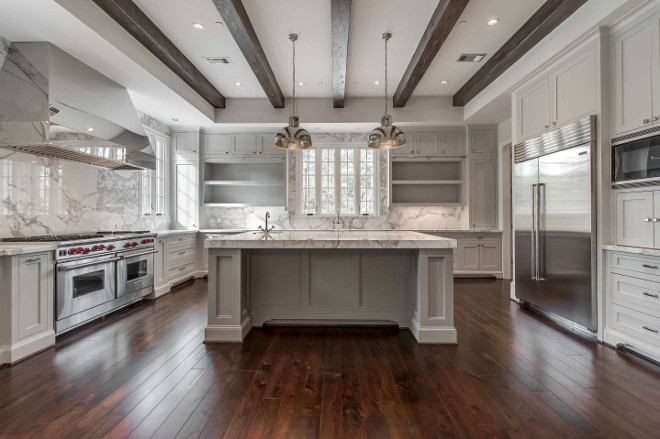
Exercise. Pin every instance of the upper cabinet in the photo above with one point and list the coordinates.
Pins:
(450, 143)
(216, 144)
(267, 146)
(244, 144)
(240, 145)
(185, 143)
(483, 141)
(637, 77)
(565, 92)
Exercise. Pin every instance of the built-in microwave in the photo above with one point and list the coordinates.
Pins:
(636, 160)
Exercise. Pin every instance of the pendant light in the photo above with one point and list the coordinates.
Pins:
(293, 137)
(386, 136)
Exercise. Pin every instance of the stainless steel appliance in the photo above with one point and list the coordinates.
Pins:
(636, 159)
(98, 273)
(555, 223)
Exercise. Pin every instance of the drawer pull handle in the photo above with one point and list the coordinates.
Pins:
(32, 260)
(655, 331)
(182, 252)
(183, 268)
(655, 296)
(653, 267)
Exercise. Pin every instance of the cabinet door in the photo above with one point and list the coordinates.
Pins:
(427, 143)
(244, 144)
(205, 253)
(634, 213)
(216, 144)
(483, 141)
(160, 262)
(574, 91)
(185, 194)
(469, 254)
(483, 193)
(634, 78)
(490, 256)
(452, 143)
(533, 110)
(407, 149)
(32, 289)
(184, 143)
(267, 146)
(656, 218)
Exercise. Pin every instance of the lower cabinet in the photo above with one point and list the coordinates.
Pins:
(637, 215)
(479, 254)
(175, 262)
(633, 302)
(26, 305)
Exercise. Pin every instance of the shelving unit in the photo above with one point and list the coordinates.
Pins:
(427, 182)
(241, 183)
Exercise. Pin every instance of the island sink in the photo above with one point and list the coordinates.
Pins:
(331, 277)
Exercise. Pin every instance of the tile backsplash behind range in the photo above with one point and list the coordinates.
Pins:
(43, 196)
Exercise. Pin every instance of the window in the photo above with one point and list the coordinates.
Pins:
(153, 181)
(338, 179)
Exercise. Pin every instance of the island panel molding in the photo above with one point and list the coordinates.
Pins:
(329, 277)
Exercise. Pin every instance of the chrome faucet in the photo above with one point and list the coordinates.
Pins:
(337, 224)
(266, 230)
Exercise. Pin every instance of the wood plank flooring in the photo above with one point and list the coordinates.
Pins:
(144, 372)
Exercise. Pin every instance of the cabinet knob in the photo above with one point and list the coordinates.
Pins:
(647, 220)
(547, 126)
(646, 121)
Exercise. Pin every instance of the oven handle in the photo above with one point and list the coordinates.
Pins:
(86, 264)
(138, 254)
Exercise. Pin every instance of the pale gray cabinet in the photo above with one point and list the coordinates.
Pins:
(32, 287)
(216, 144)
(185, 143)
(469, 253)
(451, 143)
(480, 254)
(267, 146)
(637, 77)
(160, 262)
(243, 144)
(532, 109)
(483, 141)
(483, 192)
(427, 143)
(636, 218)
(574, 89)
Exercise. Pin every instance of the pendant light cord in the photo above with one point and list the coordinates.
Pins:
(293, 107)
(386, 39)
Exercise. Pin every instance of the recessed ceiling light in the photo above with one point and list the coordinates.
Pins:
(493, 21)
(376, 82)
(444, 82)
(356, 83)
(238, 84)
(462, 22)
(175, 119)
(301, 83)
(89, 130)
(198, 26)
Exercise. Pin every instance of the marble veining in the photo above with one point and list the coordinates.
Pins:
(633, 250)
(381, 239)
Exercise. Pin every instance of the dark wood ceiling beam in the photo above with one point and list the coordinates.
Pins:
(129, 16)
(339, 27)
(550, 15)
(237, 21)
(444, 18)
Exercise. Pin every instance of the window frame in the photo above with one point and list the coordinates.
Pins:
(155, 136)
(338, 146)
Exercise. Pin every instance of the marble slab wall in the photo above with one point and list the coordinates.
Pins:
(389, 218)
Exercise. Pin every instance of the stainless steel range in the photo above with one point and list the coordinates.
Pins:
(97, 274)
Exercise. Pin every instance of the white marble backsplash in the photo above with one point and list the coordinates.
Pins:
(46, 196)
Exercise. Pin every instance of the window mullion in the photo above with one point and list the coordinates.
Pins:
(337, 180)
(318, 179)
(356, 173)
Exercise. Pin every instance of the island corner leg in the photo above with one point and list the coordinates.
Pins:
(432, 320)
(228, 315)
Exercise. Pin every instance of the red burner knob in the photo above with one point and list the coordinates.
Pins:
(135, 244)
(96, 248)
(111, 247)
(102, 247)
(72, 251)
(127, 245)
(87, 250)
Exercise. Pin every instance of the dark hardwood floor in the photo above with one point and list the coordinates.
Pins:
(144, 372)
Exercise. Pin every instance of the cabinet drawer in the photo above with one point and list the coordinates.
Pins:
(181, 253)
(177, 242)
(642, 264)
(176, 263)
(641, 326)
(480, 237)
(182, 271)
(640, 292)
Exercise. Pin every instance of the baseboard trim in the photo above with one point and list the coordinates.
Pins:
(14, 353)
(433, 335)
(227, 333)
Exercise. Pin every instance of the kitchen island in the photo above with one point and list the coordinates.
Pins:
(331, 277)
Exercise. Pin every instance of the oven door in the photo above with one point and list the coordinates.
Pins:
(135, 271)
(84, 284)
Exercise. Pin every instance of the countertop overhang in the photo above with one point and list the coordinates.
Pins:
(385, 239)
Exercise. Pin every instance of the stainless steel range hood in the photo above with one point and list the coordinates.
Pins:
(53, 105)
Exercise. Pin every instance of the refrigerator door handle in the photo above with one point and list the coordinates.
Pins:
(533, 237)
(537, 257)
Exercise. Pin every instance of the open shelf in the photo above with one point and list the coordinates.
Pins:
(427, 195)
(244, 184)
(427, 182)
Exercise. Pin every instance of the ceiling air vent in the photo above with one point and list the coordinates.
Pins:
(53, 110)
(217, 59)
(471, 57)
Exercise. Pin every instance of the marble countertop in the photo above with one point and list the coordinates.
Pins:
(25, 248)
(355, 230)
(174, 232)
(634, 250)
(332, 239)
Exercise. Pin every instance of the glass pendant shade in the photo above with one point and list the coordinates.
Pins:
(386, 136)
(293, 137)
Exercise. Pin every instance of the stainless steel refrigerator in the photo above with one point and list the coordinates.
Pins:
(554, 211)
